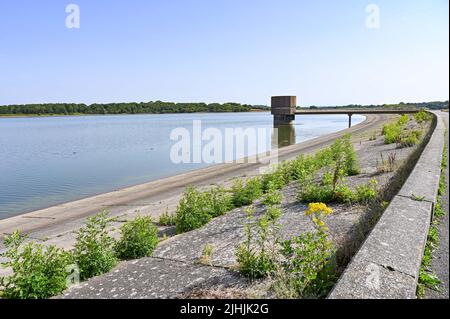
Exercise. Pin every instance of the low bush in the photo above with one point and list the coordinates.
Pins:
(256, 256)
(167, 219)
(392, 133)
(272, 197)
(313, 192)
(38, 272)
(197, 208)
(304, 166)
(343, 194)
(307, 268)
(139, 238)
(423, 116)
(351, 159)
(219, 201)
(366, 193)
(344, 157)
(94, 250)
(193, 211)
(244, 195)
(403, 120)
(409, 139)
(324, 193)
(309, 265)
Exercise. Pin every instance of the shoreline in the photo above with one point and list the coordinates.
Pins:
(153, 198)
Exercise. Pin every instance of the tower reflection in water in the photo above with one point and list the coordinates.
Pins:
(283, 135)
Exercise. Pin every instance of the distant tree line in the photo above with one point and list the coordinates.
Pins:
(438, 105)
(156, 107)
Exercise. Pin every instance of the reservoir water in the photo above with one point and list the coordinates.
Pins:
(50, 160)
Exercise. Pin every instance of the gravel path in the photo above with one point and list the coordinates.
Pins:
(440, 263)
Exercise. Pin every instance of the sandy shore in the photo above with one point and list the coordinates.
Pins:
(56, 224)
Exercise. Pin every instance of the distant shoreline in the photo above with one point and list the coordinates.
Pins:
(85, 114)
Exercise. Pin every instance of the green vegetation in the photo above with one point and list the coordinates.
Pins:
(139, 238)
(423, 116)
(325, 193)
(192, 211)
(387, 165)
(38, 271)
(207, 252)
(167, 219)
(299, 267)
(308, 270)
(256, 256)
(409, 139)
(156, 107)
(397, 132)
(340, 161)
(366, 193)
(94, 250)
(219, 201)
(244, 195)
(197, 208)
(427, 278)
(436, 105)
(392, 132)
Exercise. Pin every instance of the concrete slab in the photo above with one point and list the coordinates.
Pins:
(224, 234)
(398, 239)
(152, 278)
(366, 280)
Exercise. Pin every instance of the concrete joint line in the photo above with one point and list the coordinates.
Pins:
(389, 268)
(191, 263)
(411, 198)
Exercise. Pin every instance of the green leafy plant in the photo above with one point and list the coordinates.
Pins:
(207, 252)
(409, 139)
(272, 197)
(351, 159)
(219, 201)
(423, 116)
(193, 211)
(167, 219)
(343, 194)
(366, 193)
(94, 249)
(316, 193)
(403, 120)
(324, 192)
(198, 208)
(37, 271)
(307, 266)
(256, 256)
(245, 195)
(139, 238)
(391, 133)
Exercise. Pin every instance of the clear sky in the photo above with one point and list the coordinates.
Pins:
(224, 50)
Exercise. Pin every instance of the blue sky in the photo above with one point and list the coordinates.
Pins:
(224, 50)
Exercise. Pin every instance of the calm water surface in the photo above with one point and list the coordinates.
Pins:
(47, 161)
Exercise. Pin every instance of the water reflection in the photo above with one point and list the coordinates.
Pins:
(283, 135)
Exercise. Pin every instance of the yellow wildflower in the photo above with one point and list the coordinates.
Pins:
(318, 208)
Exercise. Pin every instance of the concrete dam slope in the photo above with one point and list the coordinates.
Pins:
(155, 197)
